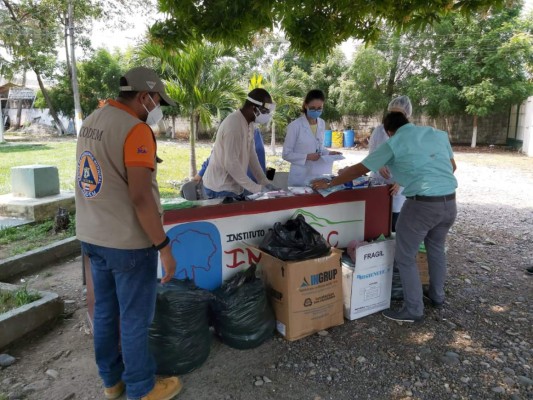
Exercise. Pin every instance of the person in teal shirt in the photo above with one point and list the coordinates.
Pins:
(421, 160)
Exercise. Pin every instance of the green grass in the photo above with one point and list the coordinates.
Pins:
(18, 298)
(19, 239)
(62, 154)
(59, 154)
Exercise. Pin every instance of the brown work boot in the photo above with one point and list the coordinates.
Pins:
(114, 392)
(164, 389)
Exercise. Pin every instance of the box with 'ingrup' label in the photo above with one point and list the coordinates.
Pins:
(367, 286)
(306, 295)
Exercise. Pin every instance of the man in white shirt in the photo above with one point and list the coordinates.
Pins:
(234, 150)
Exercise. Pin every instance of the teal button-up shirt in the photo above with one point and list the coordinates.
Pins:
(419, 159)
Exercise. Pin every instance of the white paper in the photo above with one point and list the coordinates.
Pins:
(329, 158)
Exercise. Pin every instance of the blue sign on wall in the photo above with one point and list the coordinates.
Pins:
(197, 248)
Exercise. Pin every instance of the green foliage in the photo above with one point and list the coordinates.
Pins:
(27, 237)
(362, 89)
(98, 79)
(17, 298)
(30, 33)
(286, 92)
(311, 27)
(484, 64)
(200, 80)
(326, 76)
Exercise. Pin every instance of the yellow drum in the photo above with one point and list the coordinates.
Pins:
(337, 139)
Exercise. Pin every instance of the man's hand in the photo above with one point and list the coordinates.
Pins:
(169, 263)
(384, 172)
(394, 189)
(313, 156)
(269, 188)
(320, 184)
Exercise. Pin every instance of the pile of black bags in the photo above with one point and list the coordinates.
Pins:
(179, 336)
(294, 240)
(242, 316)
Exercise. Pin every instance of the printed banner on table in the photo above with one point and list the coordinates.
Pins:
(211, 251)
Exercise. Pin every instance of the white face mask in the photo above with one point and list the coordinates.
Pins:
(263, 118)
(155, 115)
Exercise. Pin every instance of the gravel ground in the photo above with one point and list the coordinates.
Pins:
(480, 346)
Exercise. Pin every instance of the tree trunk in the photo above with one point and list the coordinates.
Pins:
(19, 105)
(192, 144)
(65, 39)
(447, 121)
(273, 138)
(75, 90)
(173, 133)
(474, 133)
(48, 100)
(1, 124)
(391, 81)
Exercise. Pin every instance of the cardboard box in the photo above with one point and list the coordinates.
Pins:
(306, 295)
(367, 287)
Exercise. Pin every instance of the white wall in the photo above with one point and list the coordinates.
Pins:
(34, 115)
(525, 126)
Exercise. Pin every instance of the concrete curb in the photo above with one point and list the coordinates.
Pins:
(22, 320)
(39, 258)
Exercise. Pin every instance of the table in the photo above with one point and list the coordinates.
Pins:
(211, 243)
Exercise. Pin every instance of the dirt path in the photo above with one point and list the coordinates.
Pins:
(479, 347)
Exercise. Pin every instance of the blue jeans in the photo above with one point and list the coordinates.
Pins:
(125, 292)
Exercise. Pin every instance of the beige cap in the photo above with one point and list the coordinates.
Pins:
(142, 79)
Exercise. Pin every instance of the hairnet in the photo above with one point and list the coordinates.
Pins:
(401, 104)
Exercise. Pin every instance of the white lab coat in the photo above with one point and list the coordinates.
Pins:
(299, 142)
(378, 137)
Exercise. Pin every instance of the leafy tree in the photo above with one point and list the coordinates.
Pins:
(484, 65)
(283, 88)
(199, 81)
(311, 27)
(30, 34)
(362, 89)
(98, 80)
(326, 76)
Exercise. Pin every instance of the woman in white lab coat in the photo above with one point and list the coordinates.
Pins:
(303, 146)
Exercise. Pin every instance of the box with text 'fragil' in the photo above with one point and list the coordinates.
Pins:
(367, 287)
(306, 295)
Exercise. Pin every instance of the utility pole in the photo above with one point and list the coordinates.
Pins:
(75, 89)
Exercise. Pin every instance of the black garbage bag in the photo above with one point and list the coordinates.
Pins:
(179, 336)
(294, 240)
(242, 316)
(397, 288)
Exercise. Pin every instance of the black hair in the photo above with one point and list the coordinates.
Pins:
(394, 121)
(314, 94)
(258, 94)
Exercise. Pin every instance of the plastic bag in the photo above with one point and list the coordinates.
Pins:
(294, 240)
(179, 336)
(242, 316)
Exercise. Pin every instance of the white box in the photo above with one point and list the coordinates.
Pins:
(367, 287)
